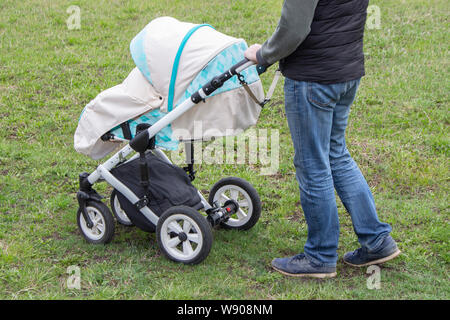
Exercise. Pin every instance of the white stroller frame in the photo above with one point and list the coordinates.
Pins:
(89, 220)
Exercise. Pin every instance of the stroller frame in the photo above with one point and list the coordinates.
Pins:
(216, 214)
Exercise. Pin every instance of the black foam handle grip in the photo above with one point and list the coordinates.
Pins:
(237, 65)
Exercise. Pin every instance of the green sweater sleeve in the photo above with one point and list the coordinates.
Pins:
(293, 27)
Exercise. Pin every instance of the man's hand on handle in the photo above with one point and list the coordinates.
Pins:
(250, 53)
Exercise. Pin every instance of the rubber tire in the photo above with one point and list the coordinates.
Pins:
(107, 217)
(251, 191)
(203, 224)
(113, 209)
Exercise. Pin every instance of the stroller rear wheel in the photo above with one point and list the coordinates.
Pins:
(103, 229)
(117, 210)
(184, 235)
(241, 191)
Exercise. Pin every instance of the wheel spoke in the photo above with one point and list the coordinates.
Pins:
(243, 203)
(175, 227)
(234, 194)
(173, 242)
(97, 220)
(100, 228)
(241, 214)
(223, 196)
(186, 226)
(194, 237)
(187, 248)
(92, 215)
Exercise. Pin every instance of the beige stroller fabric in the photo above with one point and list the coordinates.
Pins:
(109, 109)
(226, 114)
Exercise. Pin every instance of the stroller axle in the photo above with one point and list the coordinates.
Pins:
(218, 215)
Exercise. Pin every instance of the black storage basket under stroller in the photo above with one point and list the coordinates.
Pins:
(168, 186)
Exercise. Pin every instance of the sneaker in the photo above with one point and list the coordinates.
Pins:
(300, 266)
(362, 257)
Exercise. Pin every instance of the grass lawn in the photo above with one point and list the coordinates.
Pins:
(398, 134)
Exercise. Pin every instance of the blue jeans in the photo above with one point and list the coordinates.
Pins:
(317, 115)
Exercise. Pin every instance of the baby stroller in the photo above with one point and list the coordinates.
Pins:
(154, 110)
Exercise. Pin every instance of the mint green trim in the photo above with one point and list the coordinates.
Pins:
(173, 78)
(137, 49)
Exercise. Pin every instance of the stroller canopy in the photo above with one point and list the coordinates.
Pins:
(173, 60)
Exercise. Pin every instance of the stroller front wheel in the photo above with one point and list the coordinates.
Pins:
(241, 191)
(184, 235)
(103, 229)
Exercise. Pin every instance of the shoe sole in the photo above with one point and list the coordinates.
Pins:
(379, 261)
(308, 275)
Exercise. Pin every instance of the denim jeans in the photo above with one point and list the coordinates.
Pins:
(317, 115)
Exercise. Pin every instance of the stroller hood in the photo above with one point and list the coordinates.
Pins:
(174, 59)
(171, 53)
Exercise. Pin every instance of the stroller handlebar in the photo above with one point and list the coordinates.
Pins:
(219, 80)
(244, 64)
(241, 66)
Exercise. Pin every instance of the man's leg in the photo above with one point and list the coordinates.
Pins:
(352, 187)
(310, 127)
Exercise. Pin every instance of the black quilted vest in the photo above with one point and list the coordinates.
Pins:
(333, 50)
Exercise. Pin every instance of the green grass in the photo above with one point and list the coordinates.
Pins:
(398, 134)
